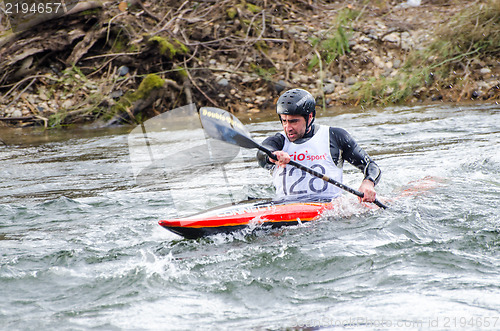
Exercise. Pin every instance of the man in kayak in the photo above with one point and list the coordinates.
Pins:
(319, 147)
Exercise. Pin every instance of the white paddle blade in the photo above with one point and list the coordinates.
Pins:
(222, 125)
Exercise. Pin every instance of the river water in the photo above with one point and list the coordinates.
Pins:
(81, 247)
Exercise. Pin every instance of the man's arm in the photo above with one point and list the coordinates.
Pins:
(353, 153)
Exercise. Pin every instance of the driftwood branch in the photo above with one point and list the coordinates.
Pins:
(84, 45)
(38, 19)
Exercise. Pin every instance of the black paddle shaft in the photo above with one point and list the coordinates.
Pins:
(322, 176)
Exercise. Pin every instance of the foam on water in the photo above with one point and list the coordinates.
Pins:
(81, 247)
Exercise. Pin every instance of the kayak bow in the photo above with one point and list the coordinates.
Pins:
(267, 214)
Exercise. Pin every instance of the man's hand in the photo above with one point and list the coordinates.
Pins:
(368, 189)
(283, 158)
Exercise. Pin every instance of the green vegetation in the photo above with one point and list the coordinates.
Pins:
(341, 43)
(266, 74)
(148, 84)
(469, 36)
(231, 12)
(336, 42)
(120, 42)
(167, 48)
(72, 81)
(181, 72)
(70, 84)
(253, 8)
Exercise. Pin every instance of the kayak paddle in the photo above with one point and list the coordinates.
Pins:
(222, 125)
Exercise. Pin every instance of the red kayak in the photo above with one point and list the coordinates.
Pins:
(267, 214)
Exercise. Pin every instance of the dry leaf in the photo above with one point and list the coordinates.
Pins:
(123, 6)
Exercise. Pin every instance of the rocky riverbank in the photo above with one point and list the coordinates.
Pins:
(116, 62)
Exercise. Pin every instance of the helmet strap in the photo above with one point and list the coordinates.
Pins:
(309, 124)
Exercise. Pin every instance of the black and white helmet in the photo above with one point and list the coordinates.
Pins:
(297, 102)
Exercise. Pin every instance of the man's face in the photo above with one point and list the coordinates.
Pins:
(294, 126)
